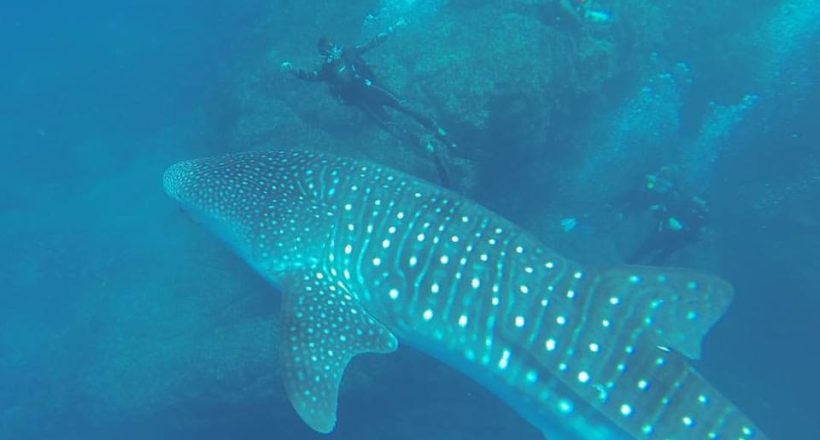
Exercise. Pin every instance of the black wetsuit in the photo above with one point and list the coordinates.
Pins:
(680, 222)
(353, 82)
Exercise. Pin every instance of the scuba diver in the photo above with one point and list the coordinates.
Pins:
(680, 219)
(352, 81)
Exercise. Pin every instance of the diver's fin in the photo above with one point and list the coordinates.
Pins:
(323, 327)
(679, 305)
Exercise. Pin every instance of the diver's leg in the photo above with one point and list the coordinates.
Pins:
(647, 251)
(673, 242)
(441, 170)
(377, 115)
(381, 97)
(386, 98)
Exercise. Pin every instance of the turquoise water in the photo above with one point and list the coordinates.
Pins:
(122, 318)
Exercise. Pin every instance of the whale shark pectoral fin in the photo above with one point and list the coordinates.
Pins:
(322, 328)
(678, 304)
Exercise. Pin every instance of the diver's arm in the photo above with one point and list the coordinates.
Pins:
(380, 39)
(304, 75)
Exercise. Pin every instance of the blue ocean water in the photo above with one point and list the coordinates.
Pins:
(122, 318)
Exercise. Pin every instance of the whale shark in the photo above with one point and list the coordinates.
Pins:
(366, 256)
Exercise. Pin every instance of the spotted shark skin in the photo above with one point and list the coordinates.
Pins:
(366, 256)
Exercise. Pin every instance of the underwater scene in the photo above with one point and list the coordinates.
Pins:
(410, 219)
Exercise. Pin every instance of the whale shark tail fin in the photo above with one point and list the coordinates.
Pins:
(680, 305)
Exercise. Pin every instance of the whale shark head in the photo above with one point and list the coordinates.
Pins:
(260, 204)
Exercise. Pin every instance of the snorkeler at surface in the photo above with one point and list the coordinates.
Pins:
(353, 82)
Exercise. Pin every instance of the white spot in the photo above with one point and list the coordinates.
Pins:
(434, 288)
(550, 344)
(524, 289)
(444, 259)
(495, 300)
(703, 399)
(420, 237)
(642, 384)
(561, 320)
(577, 275)
(462, 320)
(687, 421)
(614, 300)
(519, 249)
(483, 257)
(605, 323)
(565, 406)
(348, 207)
(570, 294)
(549, 265)
(593, 347)
(386, 243)
(505, 359)
(413, 261)
(454, 238)
(394, 293)
(348, 249)
(528, 269)
(391, 229)
(519, 321)
(400, 215)
(545, 302)
(475, 283)
(427, 315)
(626, 410)
(583, 377)
(377, 261)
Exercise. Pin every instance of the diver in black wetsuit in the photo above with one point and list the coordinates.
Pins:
(353, 82)
(680, 220)
(679, 224)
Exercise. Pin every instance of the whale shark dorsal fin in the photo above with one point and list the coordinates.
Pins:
(679, 305)
(322, 328)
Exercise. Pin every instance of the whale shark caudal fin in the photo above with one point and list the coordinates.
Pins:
(323, 327)
(680, 305)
